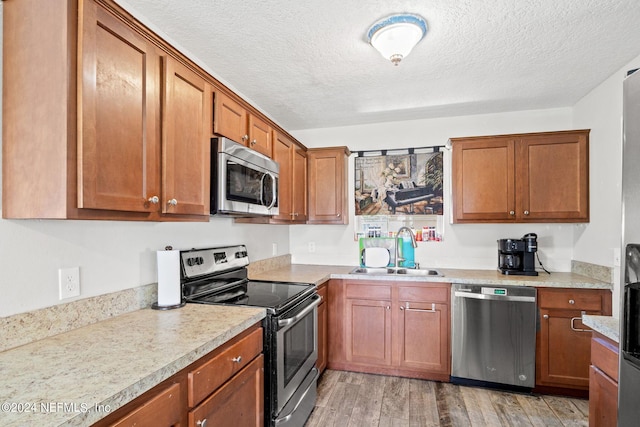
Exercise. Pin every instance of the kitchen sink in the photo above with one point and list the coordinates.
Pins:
(418, 272)
(374, 271)
(393, 271)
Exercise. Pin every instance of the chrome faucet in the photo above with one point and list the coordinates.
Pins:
(413, 243)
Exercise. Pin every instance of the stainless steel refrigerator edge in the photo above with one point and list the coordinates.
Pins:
(629, 376)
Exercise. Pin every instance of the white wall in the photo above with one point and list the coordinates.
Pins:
(111, 255)
(601, 111)
(465, 245)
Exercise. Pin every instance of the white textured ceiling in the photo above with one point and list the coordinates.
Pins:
(307, 63)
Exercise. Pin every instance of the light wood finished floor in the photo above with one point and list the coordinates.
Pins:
(353, 399)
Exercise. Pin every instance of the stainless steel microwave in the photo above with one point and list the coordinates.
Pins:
(244, 182)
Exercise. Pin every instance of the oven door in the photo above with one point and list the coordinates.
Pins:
(245, 188)
(297, 348)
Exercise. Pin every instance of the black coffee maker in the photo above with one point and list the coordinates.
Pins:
(517, 256)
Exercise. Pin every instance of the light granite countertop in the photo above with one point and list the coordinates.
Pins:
(79, 377)
(606, 325)
(318, 274)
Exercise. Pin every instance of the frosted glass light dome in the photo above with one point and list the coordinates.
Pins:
(395, 36)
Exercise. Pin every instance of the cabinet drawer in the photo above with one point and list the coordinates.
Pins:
(368, 291)
(215, 372)
(571, 299)
(604, 355)
(161, 410)
(424, 293)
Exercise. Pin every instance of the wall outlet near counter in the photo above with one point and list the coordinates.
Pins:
(68, 282)
(312, 247)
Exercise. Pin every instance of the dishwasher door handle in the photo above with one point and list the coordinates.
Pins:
(495, 297)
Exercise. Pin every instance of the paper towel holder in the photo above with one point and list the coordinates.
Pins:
(173, 280)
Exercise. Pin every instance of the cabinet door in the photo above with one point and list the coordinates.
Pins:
(299, 190)
(483, 180)
(282, 147)
(564, 350)
(238, 403)
(186, 141)
(423, 336)
(603, 399)
(368, 332)
(327, 186)
(259, 135)
(119, 137)
(552, 177)
(230, 119)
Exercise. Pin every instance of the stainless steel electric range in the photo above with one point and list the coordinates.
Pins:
(219, 276)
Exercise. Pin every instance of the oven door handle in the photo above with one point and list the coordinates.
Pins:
(289, 320)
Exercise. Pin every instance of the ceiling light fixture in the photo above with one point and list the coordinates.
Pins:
(396, 35)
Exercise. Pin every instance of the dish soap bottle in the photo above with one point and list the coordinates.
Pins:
(407, 249)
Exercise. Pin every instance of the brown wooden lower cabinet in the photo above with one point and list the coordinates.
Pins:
(563, 342)
(603, 382)
(393, 328)
(225, 387)
(321, 364)
(237, 403)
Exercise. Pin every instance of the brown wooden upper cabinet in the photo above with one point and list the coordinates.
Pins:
(87, 137)
(328, 185)
(233, 121)
(293, 179)
(535, 177)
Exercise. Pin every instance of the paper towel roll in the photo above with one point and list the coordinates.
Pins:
(169, 278)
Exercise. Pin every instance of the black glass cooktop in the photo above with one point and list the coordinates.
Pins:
(273, 295)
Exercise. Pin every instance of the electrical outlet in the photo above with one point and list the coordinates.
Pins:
(312, 247)
(69, 282)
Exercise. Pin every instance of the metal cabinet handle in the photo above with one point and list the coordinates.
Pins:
(202, 423)
(573, 328)
(546, 316)
(254, 142)
(244, 138)
(173, 202)
(338, 215)
(526, 212)
(154, 200)
(571, 301)
(423, 310)
(512, 212)
(237, 359)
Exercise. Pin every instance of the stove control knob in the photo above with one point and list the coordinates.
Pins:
(190, 262)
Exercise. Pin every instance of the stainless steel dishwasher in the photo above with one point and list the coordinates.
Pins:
(493, 336)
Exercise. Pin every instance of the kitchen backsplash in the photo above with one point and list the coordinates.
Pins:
(27, 327)
(598, 272)
(260, 266)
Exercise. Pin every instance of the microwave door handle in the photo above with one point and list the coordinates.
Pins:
(274, 189)
(262, 189)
